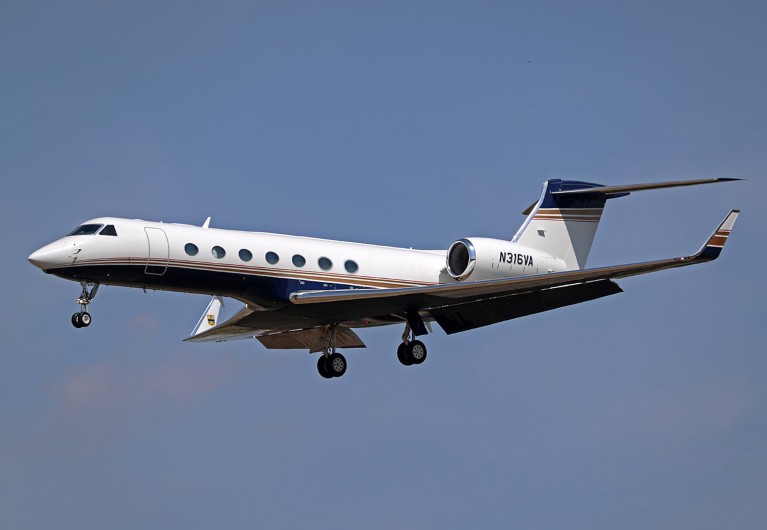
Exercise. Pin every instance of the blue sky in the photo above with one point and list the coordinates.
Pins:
(401, 123)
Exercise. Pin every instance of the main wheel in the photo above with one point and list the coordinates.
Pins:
(76, 322)
(336, 364)
(416, 351)
(85, 319)
(322, 367)
(403, 356)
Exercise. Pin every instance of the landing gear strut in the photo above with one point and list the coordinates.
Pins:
(331, 364)
(83, 318)
(411, 351)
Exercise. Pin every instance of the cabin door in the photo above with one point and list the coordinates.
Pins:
(158, 251)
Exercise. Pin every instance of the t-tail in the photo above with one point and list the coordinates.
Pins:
(564, 221)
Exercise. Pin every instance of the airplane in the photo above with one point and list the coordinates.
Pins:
(309, 293)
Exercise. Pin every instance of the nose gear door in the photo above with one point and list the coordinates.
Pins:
(158, 251)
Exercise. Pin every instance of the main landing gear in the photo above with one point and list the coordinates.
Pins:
(331, 364)
(83, 318)
(411, 351)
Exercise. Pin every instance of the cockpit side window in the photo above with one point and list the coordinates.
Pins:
(109, 230)
(85, 230)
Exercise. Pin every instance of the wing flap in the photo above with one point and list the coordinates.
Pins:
(312, 339)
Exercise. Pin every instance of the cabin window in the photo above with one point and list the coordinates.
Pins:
(191, 249)
(351, 266)
(218, 252)
(246, 255)
(85, 230)
(299, 260)
(325, 264)
(272, 258)
(109, 230)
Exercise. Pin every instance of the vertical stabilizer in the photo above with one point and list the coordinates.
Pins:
(563, 225)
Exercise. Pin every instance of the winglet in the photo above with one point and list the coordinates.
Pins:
(209, 317)
(713, 247)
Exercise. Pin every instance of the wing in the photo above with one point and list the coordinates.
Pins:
(456, 306)
(461, 306)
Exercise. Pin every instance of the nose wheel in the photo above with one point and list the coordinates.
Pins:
(83, 318)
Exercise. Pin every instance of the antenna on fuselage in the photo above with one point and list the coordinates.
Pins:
(206, 224)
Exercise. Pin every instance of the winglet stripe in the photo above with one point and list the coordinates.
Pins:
(713, 247)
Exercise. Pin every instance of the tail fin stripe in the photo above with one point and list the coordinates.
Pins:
(563, 227)
(566, 219)
(569, 214)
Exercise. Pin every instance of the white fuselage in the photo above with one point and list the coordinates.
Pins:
(249, 265)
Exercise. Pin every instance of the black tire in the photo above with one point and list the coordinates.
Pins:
(416, 351)
(403, 356)
(85, 319)
(336, 364)
(322, 367)
(76, 320)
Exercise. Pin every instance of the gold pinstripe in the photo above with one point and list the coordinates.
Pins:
(327, 277)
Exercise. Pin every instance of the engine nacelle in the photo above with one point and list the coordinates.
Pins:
(481, 258)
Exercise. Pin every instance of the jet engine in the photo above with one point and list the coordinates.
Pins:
(481, 258)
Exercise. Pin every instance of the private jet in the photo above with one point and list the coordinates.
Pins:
(310, 293)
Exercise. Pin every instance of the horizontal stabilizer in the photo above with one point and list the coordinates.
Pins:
(609, 190)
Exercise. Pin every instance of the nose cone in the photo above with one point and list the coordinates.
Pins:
(54, 255)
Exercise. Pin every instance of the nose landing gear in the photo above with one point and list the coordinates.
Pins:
(83, 318)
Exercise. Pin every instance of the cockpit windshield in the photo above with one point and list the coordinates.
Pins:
(109, 230)
(85, 230)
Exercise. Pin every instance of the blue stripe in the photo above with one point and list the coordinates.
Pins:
(710, 252)
(596, 200)
(265, 289)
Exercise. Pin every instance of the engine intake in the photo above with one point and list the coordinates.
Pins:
(461, 259)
